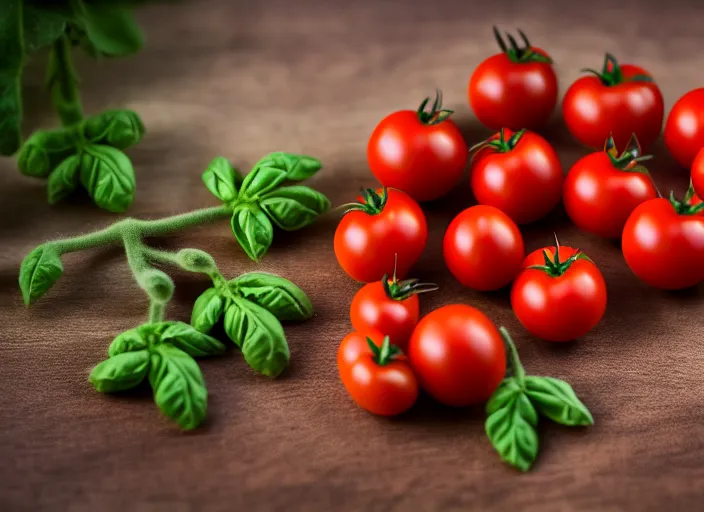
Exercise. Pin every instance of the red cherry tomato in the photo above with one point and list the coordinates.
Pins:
(379, 379)
(518, 173)
(684, 129)
(389, 306)
(603, 188)
(698, 173)
(619, 101)
(458, 355)
(483, 248)
(422, 153)
(559, 299)
(372, 233)
(516, 88)
(663, 243)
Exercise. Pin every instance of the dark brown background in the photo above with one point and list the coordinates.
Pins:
(226, 78)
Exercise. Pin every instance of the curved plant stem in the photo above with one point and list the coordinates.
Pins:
(156, 311)
(62, 80)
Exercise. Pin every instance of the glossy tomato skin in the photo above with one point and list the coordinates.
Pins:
(483, 248)
(593, 111)
(365, 244)
(507, 94)
(371, 308)
(599, 198)
(559, 308)
(425, 161)
(525, 182)
(458, 355)
(385, 390)
(354, 345)
(698, 173)
(663, 248)
(684, 129)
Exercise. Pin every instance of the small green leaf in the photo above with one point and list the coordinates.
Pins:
(295, 207)
(120, 372)
(556, 399)
(108, 176)
(40, 269)
(260, 181)
(45, 150)
(63, 180)
(260, 336)
(194, 343)
(297, 167)
(11, 65)
(42, 24)
(207, 310)
(279, 296)
(128, 341)
(111, 29)
(178, 385)
(253, 230)
(221, 179)
(511, 424)
(117, 128)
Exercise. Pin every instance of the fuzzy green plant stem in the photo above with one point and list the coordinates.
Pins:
(63, 81)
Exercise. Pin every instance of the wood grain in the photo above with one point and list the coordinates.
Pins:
(240, 79)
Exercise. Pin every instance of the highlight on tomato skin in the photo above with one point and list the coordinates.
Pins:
(684, 128)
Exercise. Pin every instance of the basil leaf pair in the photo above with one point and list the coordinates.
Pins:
(164, 353)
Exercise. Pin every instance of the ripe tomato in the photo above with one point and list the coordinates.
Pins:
(422, 153)
(603, 188)
(387, 224)
(483, 248)
(684, 129)
(389, 306)
(516, 88)
(559, 298)
(663, 243)
(518, 173)
(379, 379)
(458, 355)
(698, 173)
(619, 101)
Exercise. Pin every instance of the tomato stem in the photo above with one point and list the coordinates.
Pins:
(611, 73)
(386, 353)
(519, 54)
(436, 114)
(372, 203)
(685, 207)
(500, 144)
(514, 361)
(555, 267)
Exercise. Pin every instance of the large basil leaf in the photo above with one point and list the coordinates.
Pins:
(260, 336)
(117, 128)
(42, 24)
(207, 310)
(11, 64)
(63, 180)
(45, 150)
(111, 29)
(40, 269)
(556, 399)
(120, 372)
(222, 179)
(279, 296)
(295, 207)
(191, 341)
(296, 167)
(261, 180)
(253, 230)
(178, 385)
(108, 176)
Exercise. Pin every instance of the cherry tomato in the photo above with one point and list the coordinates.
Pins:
(559, 298)
(379, 379)
(684, 129)
(698, 173)
(372, 233)
(619, 101)
(518, 173)
(389, 306)
(516, 88)
(422, 153)
(663, 243)
(603, 188)
(458, 355)
(483, 248)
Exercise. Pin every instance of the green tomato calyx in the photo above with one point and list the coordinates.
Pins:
(436, 114)
(372, 203)
(519, 54)
(385, 353)
(631, 157)
(611, 73)
(499, 144)
(401, 290)
(686, 207)
(554, 267)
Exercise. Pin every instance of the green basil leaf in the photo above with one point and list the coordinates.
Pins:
(63, 180)
(178, 385)
(556, 399)
(253, 230)
(260, 336)
(295, 207)
(222, 179)
(279, 296)
(297, 167)
(111, 29)
(40, 269)
(260, 181)
(511, 424)
(11, 65)
(42, 24)
(45, 150)
(192, 342)
(108, 176)
(117, 128)
(128, 341)
(121, 372)
(207, 310)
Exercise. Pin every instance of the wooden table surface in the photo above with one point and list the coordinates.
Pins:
(241, 79)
